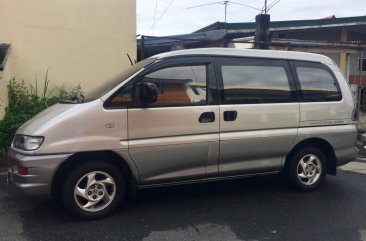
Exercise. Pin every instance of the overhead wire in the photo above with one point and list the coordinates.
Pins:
(156, 8)
(165, 10)
(227, 2)
(202, 5)
(248, 6)
(156, 20)
(269, 7)
(273, 4)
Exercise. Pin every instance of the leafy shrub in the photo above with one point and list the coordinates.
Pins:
(25, 102)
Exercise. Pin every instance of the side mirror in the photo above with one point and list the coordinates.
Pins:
(148, 93)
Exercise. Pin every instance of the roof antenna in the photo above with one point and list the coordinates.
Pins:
(225, 3)
(266, 7)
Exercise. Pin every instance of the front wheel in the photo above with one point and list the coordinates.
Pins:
(307, 169)
(93, 190)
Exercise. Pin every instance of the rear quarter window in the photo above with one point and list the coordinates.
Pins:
(317, 83)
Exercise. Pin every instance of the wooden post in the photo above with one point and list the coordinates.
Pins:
(343, 55)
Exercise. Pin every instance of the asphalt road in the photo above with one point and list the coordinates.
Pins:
(258, 208)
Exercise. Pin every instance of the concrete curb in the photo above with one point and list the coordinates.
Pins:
(359, 166)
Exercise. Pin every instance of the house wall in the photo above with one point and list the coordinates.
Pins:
(354, 80)
(81, 42)
(354, 73)
(333, 56)
(354, 63)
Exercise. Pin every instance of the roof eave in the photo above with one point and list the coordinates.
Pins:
(298, 27)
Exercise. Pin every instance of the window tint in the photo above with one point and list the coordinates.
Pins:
(317, 84)
(180, 85)
(122, 98)
(255, 84)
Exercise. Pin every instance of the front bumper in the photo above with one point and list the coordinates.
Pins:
(41, 170)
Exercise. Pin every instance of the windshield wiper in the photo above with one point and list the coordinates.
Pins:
(75, 100)
(68, 102)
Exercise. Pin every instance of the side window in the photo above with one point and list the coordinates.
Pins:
(317, 84)
(180, 85)
(122, 98)
(255, 83)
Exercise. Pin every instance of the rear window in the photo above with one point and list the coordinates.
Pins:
(317, 84)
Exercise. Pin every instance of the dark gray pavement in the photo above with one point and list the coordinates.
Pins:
(258, 208)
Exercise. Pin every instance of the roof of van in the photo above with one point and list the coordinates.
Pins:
(256, 53)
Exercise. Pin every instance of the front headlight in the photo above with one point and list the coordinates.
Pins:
(27, 143)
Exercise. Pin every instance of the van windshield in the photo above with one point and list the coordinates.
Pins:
(108, 85)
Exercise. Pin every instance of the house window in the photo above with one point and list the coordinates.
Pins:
(363, 64)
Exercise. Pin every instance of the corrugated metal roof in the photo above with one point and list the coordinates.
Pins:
(204, 36)
(215, 31)
(317, 23)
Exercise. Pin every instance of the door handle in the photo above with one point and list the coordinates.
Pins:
(230, 115)
(207, 117)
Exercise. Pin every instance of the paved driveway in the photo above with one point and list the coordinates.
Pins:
(260, 208)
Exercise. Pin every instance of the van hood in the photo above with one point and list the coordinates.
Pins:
(31, 126)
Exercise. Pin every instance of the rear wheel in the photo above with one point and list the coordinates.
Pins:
(307, 169)
(93, 190)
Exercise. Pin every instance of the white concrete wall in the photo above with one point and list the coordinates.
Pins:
(80, 41)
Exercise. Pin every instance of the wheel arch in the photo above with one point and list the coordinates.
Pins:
(76, 159)
(323, 146)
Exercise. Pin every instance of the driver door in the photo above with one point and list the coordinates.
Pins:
(177, 137)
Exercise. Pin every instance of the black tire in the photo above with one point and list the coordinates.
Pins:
(73, 202)
(295, 172)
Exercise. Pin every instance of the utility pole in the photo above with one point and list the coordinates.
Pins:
(225, 39)
(262, 33)
(265, 7)
(225, 3)
(261, 37)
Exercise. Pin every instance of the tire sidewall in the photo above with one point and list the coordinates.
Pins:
(292, 170)
(68, 199)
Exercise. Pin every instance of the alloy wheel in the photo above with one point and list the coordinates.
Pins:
(309, 169)
(95, 191)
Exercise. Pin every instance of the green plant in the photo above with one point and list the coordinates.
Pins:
(25, 102)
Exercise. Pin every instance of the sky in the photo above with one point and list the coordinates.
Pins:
(170, 17)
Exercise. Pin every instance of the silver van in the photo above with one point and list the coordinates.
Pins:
(189, 116)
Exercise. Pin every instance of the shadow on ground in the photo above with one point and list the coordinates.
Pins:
(257, 208)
